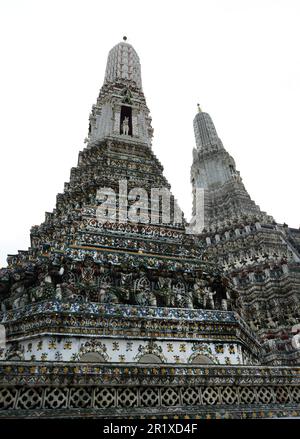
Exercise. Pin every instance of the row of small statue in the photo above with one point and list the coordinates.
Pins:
(176, 298)
(65, 280)
(167, 293)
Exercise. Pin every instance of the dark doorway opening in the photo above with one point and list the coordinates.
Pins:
(126, 112)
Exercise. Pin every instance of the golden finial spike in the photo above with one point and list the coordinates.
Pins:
(199, 108)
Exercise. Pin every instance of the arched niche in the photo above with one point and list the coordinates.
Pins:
(201, 359)
(149, 358)
(92, 357)
(126, 111)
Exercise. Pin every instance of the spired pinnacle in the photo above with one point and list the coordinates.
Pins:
(123, 64)
(205, 131)
(121, 107)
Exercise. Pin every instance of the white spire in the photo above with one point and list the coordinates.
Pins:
(123, 63)
(205, 131)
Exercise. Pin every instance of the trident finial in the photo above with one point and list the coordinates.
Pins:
(199, 108)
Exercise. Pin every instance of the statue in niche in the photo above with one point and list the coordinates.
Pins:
(164, 284)
(20, 301)
(208, 299)
(199, 286)
(58, 292)
(52, 275)
(185, 300)
(146, 298)
(88, 271)
(165, 290)
(37, 293)
(220, 285)
(125, 126)
(143, 294)
(224, 302)
(125, 285)
(181, 298)
(106, 294)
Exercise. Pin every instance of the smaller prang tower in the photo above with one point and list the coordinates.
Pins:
(260, 256)
(214, 170)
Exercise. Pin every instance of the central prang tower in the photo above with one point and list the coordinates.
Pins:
(132, 316)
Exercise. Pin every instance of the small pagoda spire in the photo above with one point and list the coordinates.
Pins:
(123, 63)
(205, 131)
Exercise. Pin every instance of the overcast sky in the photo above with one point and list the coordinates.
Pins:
(238, 59)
